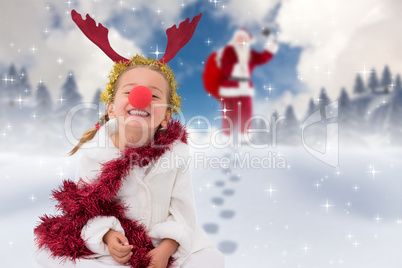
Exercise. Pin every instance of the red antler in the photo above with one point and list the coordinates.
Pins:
(179, 37)
(97, 34)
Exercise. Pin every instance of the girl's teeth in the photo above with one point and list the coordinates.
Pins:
(136, 112)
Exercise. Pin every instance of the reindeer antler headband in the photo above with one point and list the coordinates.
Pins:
(177, 39)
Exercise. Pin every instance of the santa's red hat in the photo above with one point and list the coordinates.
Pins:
(244, 32)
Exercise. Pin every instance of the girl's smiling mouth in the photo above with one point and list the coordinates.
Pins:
(138, 112)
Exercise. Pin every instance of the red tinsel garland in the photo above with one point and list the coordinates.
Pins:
(61, 234)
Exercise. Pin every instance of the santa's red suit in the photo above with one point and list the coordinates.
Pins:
(237, 62)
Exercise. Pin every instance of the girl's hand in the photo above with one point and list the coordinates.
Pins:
(118, 246)
(159, 258)
(161, 254)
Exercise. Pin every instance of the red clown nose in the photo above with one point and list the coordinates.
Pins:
(140, 97)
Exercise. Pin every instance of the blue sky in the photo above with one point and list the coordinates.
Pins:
(321, 44)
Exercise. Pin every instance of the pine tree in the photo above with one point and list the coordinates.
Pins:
(12, 83)
(290, 116)
(359, 85)
(398, 83)
(96, 98)
(324, 100)
(373, 81)
(69, 94)
(43, 100)
(386, 79)
(343, 98)
(24, 83)
(289, 133)
(311, 108)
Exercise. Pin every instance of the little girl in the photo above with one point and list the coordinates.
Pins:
(131, 197)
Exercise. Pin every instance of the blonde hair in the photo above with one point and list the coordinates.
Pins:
(108, 95)
(139, 61)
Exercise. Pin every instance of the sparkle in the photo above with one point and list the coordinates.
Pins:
(300, 77)
(327, 205)
(270, 190)
(33, 198)
(69, 3)
(377, 219)
(60, 60)
(349, 236)
(224, 110)
(61, 99)
(121, 2)
(11, 243)
(305, 248)
(6, 79)
(20, 101)
(338, 173)
(244, 43)
(157, 52)
(398, 221)
(208, 41)
(46, 31)
(214, 1)
(48, 8)
(4, 134)
(257, 228)
(329, 73)
(373, 171)
(317, 184)
(364, 72)
(199, 122)
(159, 11)
(61, 173)
(356, 187)
(356, 244)
(269, 88)
(332, 22)
(33, 49)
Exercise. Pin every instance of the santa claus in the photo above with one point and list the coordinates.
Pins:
(237, 62)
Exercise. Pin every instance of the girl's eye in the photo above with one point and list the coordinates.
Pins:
(154, 96)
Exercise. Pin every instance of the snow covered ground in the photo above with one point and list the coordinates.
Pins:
(282, 208)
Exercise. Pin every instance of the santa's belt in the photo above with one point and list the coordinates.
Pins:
(239, 79)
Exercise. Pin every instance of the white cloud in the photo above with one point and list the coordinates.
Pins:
(64, 47)
(298, 101)
(338, 38)
(248, 13)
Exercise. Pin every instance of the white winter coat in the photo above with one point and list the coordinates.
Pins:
(160, 196)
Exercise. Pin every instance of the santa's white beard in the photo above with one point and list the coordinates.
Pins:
(243, 53)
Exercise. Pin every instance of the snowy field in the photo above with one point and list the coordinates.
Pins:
(285, 209)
